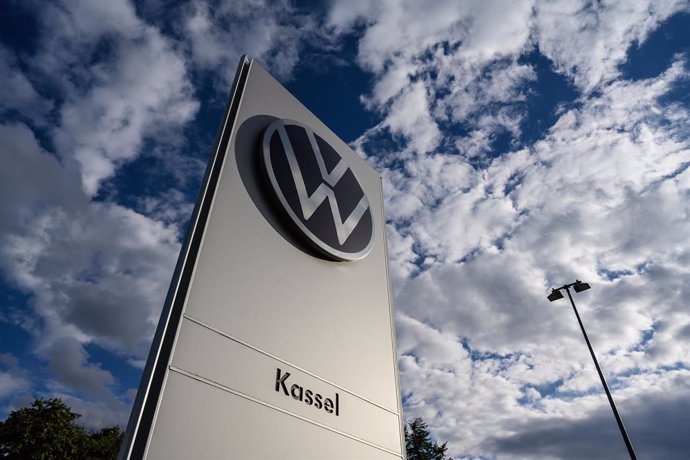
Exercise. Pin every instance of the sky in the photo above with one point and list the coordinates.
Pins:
(522, 145)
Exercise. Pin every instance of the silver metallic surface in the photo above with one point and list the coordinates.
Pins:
(220, 425)
(259, 306)
(146, 403)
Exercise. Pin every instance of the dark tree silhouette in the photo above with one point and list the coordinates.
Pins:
(104, 444)
(419, 445)
(47, 430)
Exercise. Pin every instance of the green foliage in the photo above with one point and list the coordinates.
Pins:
(105, 443)
(419, 445)
(47, 431)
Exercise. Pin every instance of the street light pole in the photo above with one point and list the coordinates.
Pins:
(579, 286)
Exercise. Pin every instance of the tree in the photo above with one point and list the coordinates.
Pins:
(47, 430)
(105, 444)
(419, 445)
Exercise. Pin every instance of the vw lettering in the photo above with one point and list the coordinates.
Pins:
(318, 190)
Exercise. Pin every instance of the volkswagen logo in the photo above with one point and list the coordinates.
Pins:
(318, 190)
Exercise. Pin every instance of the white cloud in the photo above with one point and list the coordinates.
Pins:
(432, 69)
(11, 384)
(477, 241)
(98, 414)
(97, 272)
(218, 33)
(470, 23)
(652, 417)
(68, 363)
(135, 85)
(409, 117)
(563, 29)
(12, 378)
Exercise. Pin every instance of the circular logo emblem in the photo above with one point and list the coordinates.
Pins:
(318, 190)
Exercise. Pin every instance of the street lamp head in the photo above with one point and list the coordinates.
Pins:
(579, 286)
(555, 295)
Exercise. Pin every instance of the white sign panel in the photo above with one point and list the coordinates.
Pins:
(277, 339)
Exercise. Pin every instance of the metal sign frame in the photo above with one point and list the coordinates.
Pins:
(337, 402)
(146, 402)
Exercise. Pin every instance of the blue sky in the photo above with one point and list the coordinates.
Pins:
(522, 145)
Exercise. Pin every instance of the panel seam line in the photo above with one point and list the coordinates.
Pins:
(270, 355)
(271, 406)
